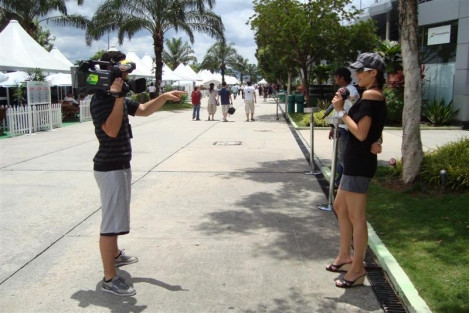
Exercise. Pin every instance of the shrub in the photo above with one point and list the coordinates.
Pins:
(140, 97)
(439, 113)
(395, 102)
(453, 158)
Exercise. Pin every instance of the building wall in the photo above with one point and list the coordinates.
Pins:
(437, 11)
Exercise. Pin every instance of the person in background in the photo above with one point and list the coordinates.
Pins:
(70, 98)
(110, 112)
(196, 96)
(365, 121)
(250, 100)
(235, 91)
(225, 99)
(152, 91)
(343, 79)
(211, 101)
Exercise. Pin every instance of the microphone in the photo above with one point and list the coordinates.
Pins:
(344, 92)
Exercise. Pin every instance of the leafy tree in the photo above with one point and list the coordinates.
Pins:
(157, 17)
(31, 13)
(305, 33)
(411, 149)
(177, 53)
(218, 57)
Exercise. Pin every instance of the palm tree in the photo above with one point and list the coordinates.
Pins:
(177, 53)
(219, 56)
(158, 17)
(30, 13)
(252, 71)
(240, 64)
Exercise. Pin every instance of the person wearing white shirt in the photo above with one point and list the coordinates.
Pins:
(343, 79)
(250, 100)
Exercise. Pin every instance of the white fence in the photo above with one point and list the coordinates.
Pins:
(85, 114)
(27, 119)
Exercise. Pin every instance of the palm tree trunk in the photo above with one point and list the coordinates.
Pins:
(158, 49)
(411, 150)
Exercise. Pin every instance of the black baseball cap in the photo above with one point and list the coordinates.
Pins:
(369, 60)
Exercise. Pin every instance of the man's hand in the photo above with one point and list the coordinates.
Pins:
(331, 133)
(174, 95)
(376, 148)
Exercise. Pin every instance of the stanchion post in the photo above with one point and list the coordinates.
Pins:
(331, 193)
(312, 122)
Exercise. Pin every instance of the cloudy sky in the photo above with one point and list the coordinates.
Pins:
(234, 13)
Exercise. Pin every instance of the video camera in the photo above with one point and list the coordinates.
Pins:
(88, 79)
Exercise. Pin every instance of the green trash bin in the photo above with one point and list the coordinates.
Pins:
(282, 97)
(299, 99)
(290, 104)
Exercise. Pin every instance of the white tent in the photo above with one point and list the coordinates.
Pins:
(59, 79)
(19, 51)
(14, 79)
(231, 80)
(262, 82)
(56, 53)
(186, 73)
(169, 75)
(148, 62)
(141, 69)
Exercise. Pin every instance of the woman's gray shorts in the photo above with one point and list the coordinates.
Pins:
(115, 194)
(357, 184)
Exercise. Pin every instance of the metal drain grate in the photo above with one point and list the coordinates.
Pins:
(227, 143)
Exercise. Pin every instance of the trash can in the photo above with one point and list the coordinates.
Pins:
(282, 96)
(290, 104)
(299, 99)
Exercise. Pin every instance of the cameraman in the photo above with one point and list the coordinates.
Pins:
(112, 170)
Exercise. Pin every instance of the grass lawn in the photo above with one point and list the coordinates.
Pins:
(427, 232)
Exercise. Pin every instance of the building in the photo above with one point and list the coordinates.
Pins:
(443, 43)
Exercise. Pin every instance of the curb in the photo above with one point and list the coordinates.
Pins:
(402, 284)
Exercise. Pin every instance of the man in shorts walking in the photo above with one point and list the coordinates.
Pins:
(110, 111)
(250, 100)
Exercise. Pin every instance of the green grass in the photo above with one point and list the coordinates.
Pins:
(176, 106)
(428, 235)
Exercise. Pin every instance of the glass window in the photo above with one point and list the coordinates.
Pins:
(440, 53)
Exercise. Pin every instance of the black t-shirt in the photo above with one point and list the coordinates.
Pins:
(113, 153)
(358, 160)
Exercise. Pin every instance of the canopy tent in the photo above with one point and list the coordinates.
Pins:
(169, 75)
(3, 77)
(186, 73)
(262, 82)
(14, 79)
(207, 77)
(59, 79)
(56, 53)
(140, 68)
(19, 51)
(231, 80)
(148, 62)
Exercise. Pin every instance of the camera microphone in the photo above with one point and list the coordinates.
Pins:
(344, 92)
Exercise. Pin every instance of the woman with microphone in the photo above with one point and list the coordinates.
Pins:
(365, 121)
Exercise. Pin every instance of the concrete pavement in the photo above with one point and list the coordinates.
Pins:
(223, 220)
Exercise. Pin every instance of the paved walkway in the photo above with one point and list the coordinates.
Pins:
(223, 220)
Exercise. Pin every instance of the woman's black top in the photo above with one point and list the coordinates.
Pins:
(358, 160)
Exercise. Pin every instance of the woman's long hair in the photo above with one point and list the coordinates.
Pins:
(211, 87)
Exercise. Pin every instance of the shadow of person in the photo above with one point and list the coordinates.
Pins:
(117, 304)
(159, 283)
